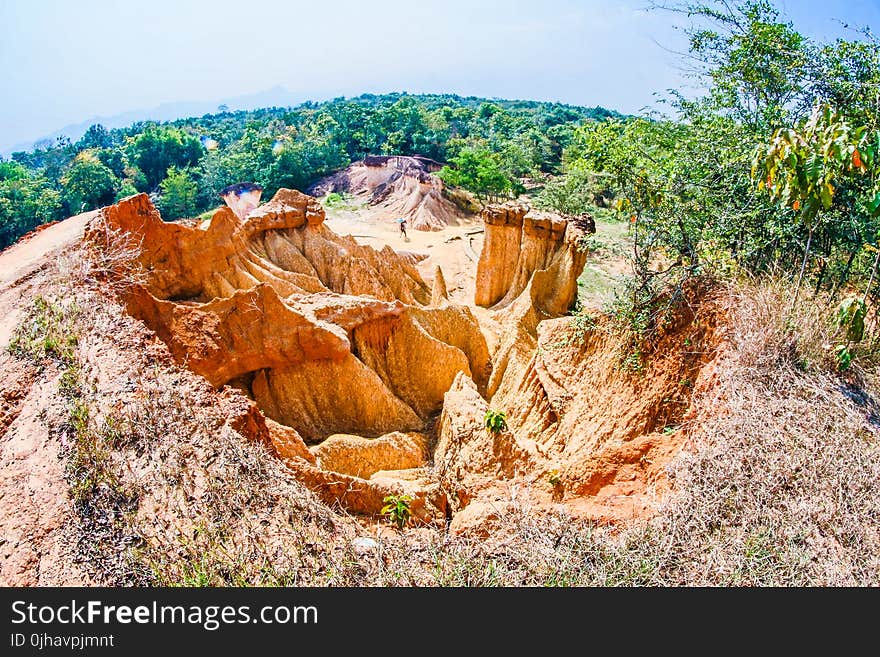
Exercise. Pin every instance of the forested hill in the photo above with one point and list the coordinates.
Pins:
(187, 161)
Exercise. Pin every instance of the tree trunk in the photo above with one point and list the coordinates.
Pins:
(871, 280)
(822, 270)
(797, 288)
(845, 274)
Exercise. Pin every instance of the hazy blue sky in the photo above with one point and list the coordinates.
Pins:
(66, 61)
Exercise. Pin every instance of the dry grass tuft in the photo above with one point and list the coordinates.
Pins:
(108, 260)
(768, 334)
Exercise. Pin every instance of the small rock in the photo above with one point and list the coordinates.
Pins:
(364, 545)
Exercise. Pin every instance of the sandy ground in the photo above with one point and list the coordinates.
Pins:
(31, 252)
(455, 248)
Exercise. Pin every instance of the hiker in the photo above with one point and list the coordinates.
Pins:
(403, 227)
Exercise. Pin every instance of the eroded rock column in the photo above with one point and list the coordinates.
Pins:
(501, 249)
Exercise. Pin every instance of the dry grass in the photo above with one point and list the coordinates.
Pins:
(782, 486)
(767, 334)
(108, 260)
(528, 548)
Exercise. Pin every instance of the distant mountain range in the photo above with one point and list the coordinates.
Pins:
(274, 97)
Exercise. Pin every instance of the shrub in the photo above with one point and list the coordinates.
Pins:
(333, 199)
(397, 509)
(843, 356)
(496, 421)
(851, 317)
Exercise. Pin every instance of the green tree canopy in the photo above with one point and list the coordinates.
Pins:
(158, 148)
(478, 171)
(97, 136)
(88, 183)
(178, 195)
(293, 147)
(26, 201)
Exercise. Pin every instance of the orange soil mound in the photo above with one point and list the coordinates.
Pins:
(396, 187)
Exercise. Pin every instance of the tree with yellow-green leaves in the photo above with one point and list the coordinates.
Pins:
(88, 183)
(178, 195)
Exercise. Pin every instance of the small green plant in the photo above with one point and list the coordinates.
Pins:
(583, 323)
(590, 244)
(69, 382)
(496, 421)
(843, 356)
(397, 509)
(333, 199)
(851, 317)
(46, 332)
(632, 361)
(207, 214)
(554, 478)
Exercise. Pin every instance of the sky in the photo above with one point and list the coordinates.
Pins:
(65, 62)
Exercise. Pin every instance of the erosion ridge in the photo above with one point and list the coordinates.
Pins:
(366, 381)
(397, 186)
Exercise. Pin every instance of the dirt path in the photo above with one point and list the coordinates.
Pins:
(31, 253)
(26, 258)
(36, 544)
